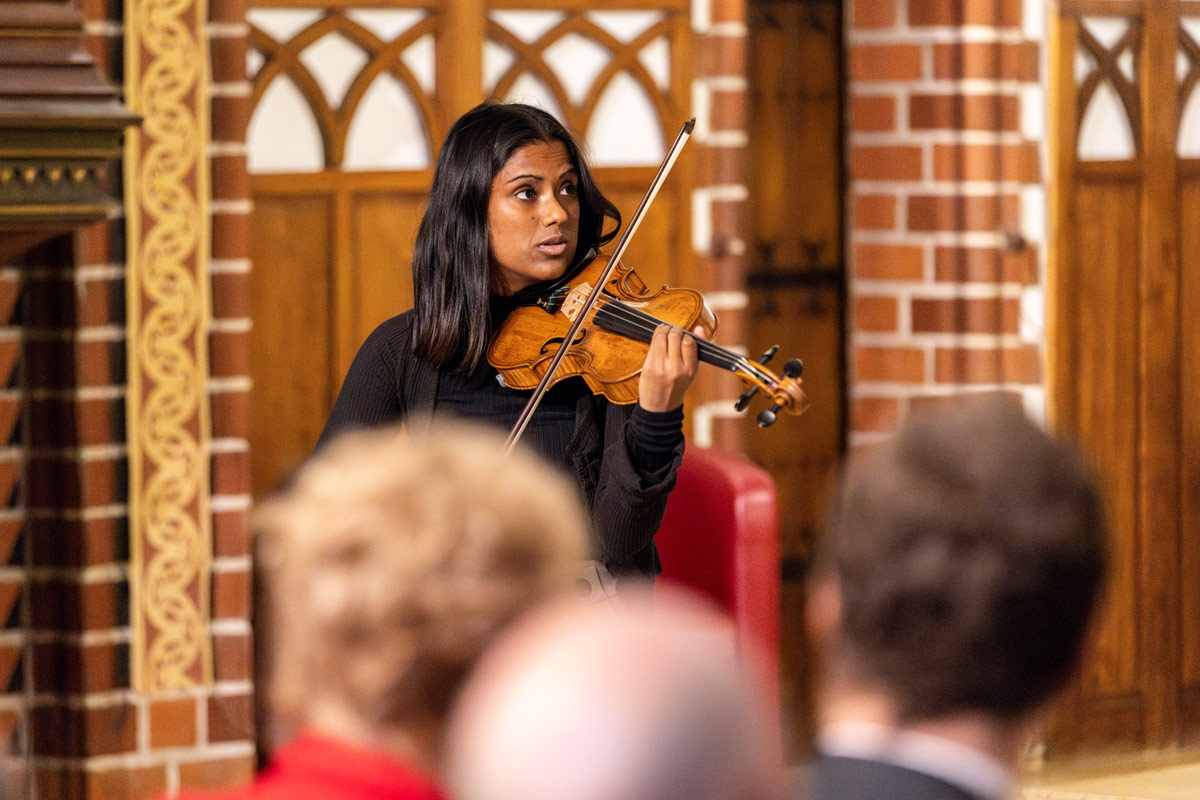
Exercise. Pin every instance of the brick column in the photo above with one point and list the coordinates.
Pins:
(718, 208)
(230, 710)
(79, 723)
(72, 326)
(947, 208)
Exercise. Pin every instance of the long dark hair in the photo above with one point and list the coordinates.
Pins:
(451, 259)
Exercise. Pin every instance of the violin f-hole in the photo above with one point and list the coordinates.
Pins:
(560, 339)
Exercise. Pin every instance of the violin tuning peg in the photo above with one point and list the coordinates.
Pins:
(794, 368)
(767, 356)
(743, 401)
(766, 417)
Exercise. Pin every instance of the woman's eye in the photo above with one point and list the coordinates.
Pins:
(526, 194)
(567, 189)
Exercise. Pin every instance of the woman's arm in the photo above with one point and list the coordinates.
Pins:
(642, 451)
(633, 485)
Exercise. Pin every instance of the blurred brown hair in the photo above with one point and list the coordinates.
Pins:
(969, 551)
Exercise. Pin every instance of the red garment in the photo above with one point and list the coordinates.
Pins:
(315, 767)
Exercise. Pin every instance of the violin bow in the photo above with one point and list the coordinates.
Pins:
(659, 179)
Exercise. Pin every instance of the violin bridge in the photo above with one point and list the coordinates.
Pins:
(554, 300)
(575, 301)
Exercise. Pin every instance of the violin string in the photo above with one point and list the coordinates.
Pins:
(645, 323)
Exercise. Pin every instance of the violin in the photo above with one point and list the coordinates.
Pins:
(610, 346)
(599, 320)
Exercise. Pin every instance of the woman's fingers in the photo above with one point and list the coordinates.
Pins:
(668, 370)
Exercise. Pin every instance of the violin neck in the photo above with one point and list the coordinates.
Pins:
(623, 319)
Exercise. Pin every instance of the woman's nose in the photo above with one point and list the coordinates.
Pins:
(553, 212)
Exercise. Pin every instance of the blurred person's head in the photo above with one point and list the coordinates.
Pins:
(581, 703)
(391, 561)
(961, 565)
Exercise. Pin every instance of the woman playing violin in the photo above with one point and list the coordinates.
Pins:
(512, 208)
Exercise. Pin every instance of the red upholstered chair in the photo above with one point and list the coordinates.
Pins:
(720, 538)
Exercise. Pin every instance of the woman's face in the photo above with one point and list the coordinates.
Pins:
(533, 217)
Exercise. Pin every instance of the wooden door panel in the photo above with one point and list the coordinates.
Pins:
(794, 157)
(795, 264)
(804, 323)
(1104, 351)
(1189, 268)
(1124, 345)
(291, 395)
(378, 277)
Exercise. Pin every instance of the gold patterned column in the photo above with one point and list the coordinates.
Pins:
(168, 233)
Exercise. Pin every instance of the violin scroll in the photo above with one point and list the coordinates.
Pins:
(787, 395)
(785, 392)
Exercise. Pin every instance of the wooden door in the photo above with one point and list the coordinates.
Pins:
(350, 104)
(796, 283)
(1124, 292)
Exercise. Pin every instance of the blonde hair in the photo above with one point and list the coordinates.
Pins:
(393, 560)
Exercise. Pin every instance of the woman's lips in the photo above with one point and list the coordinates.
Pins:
(553, 247)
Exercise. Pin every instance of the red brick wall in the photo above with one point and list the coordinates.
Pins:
(945, 167)
(718, 206)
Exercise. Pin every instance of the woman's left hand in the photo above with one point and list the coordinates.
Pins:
(669, 368)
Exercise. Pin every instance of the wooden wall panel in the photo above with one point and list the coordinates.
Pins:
(295, 231)
(383, 228)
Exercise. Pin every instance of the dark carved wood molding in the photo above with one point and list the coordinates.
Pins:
(60, 126)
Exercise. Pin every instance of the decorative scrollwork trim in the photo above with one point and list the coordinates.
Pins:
(168, 242)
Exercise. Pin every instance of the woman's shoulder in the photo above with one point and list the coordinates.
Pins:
(393, 335)
(399, 325)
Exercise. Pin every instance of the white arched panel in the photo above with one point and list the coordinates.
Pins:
(1085, 64)
(281, 24)
(283, 136)
(1126, 64)
(1189, 128)
(419, 58)
(1105, 133)
(624, 26)
(576, 62)
(656, 58)
(254, 62)
(496, 61)
(334, 62)
(1108, 31)
(1192, 26)
(386, 23)
(387, 131)
(527, 25)
(625, 130)
(528, 89)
